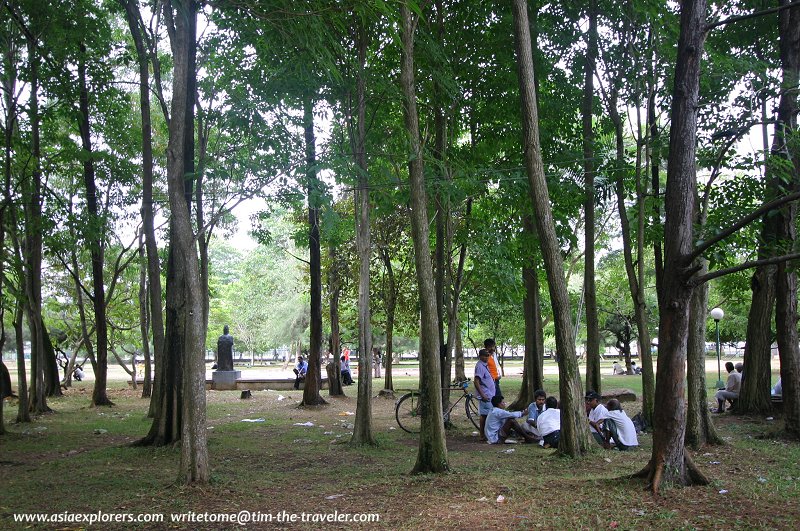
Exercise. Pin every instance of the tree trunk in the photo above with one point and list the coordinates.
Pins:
(458, 353)
(391, 304)
(335, 387)
(144, 322)
(23, 410)
(700, 429)
(432, 454)
(574, 430)
(533, 362)
(148, 224)
(311, 396)
(362, 431)
(180, 154)
(32, 250)
(787, 146)
(670, 461)
(95, 242)
(590, 290)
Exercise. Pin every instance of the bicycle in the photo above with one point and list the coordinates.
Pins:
(408, 415)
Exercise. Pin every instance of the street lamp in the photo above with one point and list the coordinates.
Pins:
(717, 314)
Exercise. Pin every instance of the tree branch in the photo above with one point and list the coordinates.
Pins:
(741, 267)
(731, 20)
(743, 222)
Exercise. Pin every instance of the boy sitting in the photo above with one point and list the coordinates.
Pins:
(618, 429)
(500, 423)
(549, 423)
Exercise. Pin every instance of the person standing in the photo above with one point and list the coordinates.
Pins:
(494, 366)
(484, 387)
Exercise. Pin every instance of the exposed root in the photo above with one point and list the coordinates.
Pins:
(696, 477)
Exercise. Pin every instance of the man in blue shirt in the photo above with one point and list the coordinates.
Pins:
(300, 371)
(484, 387)
(500, 424)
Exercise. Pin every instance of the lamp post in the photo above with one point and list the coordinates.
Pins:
(717, 314)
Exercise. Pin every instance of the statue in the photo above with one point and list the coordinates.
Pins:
(225, 351)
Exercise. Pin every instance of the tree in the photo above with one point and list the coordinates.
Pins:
(786, 147)
(574, 432)
(589, 285)
(432, 454)
(669, 461)
(362, 432)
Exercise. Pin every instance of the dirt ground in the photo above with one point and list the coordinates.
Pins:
(79, 460)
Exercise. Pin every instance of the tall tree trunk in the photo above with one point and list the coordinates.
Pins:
(787, 146)
(311, 396)
(533, 362)
(95, 241)
(432, 454)
(670, 461)
(362, 431)
(634, 274)
(335, 387)
(700, 429)
(589, 285)
(180, 154)
(654, 156)
(574, 430)
(148, 224)
(32, 249)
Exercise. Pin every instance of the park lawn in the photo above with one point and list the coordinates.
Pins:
(78, 459)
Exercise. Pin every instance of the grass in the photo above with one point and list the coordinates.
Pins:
(82, 462)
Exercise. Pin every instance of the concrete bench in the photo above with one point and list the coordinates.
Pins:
(259, 384)
(276, 384)
(623, 395)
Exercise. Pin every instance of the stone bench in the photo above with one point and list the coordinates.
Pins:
(276, 384)
(623, 395)
(259, 384)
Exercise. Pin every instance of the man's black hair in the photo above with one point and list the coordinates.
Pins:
(551, 402)
(488, 342)
(729, 366)
(538, 393)
(496, 399)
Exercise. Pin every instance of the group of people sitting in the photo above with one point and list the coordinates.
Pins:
(609, 424)
(730, 392)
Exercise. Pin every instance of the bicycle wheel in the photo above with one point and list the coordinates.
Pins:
(472, 411)
(407, 413)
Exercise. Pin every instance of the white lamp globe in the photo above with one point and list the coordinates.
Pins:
(717, 314)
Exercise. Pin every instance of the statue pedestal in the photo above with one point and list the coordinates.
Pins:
(225, 380)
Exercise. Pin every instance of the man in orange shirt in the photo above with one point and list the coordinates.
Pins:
(494, 367)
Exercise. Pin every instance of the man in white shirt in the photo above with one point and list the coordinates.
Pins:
(731, 391)
(548, 423)
(597, 412)
(618, 429)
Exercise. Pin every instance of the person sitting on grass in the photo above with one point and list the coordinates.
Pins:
(617, 368)
(596, 412)
(548, 423)
(618, 429)
(534, 410)
(500, 424)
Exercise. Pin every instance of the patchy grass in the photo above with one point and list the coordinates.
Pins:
(78, 459)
